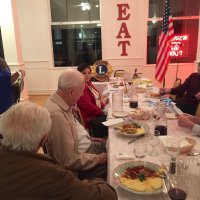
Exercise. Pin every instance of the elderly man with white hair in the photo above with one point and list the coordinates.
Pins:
(25, 174)
(72, 148)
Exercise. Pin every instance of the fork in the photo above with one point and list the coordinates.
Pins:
(131, 141)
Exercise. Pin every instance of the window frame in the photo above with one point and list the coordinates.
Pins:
(160, 19)
(61, 23)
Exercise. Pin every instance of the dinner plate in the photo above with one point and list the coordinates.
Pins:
(119, 171)
(140, 114)
(120, 114)
(144, 129)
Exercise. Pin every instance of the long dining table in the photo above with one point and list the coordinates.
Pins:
(117, 144)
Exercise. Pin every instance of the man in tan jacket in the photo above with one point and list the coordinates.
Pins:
(72, 148)
(24, 174)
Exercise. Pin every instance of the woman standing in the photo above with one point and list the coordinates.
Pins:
(6, 81)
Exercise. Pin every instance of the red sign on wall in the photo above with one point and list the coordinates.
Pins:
(179, 46)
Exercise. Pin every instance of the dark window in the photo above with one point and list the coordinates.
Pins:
(76, 32)
(185, 15)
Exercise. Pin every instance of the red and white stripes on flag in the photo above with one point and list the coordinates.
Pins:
(163, 57)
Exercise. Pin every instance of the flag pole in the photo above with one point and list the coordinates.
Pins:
(177, 66)
(163, 82)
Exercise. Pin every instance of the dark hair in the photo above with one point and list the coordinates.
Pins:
(83, 66)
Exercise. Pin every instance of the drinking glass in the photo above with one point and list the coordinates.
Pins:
(148, 92)
(178, 187)
(153, 141)
(140, 148)
(117, 101)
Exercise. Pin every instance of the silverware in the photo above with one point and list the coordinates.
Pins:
(193, 154)
(131, 141)
(164, 189)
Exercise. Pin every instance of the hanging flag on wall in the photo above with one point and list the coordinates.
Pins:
(167, 33)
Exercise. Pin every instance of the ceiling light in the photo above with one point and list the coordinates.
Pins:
(85, 6)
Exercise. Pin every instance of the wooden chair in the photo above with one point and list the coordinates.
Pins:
(176, 84)
(198, 111)
(119, 73)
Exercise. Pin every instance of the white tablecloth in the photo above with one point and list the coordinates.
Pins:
(119, 144)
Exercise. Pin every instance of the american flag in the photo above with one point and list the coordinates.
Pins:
(163, 57)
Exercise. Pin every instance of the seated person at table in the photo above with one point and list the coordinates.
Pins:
(25, 174)
(71, 149)
(91, 104)
(189, 121)
(189, 93)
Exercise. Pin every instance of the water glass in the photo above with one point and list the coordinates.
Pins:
(153, 141)
(148, 92)
(140, 148)
(117, 101)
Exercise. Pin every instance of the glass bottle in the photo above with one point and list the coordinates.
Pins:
(161, 120)
(133, 97)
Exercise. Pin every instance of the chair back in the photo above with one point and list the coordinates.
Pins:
(177, 82)
(198, 111)
(119, 73)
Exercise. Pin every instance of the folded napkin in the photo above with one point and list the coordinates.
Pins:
(111, 122)
(124, 156)
(170, 115)
(183, 141)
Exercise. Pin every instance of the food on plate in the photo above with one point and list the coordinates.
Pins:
(140, 114)
(116, 85)
(132, 128)
(141, 179)
(155, 95)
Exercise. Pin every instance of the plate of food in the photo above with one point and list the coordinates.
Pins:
(132, 129)
(140, 114)
(155, 95)
(139, 177)
(120, 114)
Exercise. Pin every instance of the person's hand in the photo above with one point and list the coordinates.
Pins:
(191, 117)
(185, 122)
(198, 95)
(105, 100)
(164, 91)
(22, 72)
(102, 158)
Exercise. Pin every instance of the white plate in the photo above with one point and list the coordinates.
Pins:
(120, 114)
(143, 125)
(121, 169)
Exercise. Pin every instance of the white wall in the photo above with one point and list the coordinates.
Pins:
(35, 32)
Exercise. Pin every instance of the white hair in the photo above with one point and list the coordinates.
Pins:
(70, 78)
(23, 126)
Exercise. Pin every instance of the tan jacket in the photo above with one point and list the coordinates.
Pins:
(33, 176)
(62, 143)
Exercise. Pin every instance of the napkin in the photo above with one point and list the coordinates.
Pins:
(170, 115)
(111, 122)
(124, 156)
(183, 141)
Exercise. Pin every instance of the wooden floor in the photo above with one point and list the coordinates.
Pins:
(39, 99)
